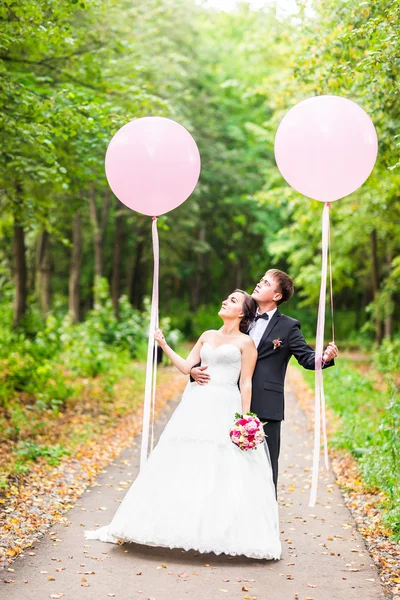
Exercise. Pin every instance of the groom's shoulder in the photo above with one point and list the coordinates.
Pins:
(289, 321)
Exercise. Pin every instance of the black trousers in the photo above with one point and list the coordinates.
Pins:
(272, 431)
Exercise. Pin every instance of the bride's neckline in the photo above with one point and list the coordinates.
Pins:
(220, 346)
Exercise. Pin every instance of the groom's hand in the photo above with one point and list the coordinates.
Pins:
(199, 374)
(330, 353)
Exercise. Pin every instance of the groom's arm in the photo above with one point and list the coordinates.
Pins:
(303, 352)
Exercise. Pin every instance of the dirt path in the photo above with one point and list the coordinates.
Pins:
(324, 557)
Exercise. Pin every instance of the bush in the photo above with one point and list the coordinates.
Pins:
(387, 357)
(38, 363)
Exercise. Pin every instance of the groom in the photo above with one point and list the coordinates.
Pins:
(277, 337)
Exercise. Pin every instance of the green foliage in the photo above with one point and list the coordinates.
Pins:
(350, 49)
(74, 73)
(41, 364)
(387, 357)
(28, 451)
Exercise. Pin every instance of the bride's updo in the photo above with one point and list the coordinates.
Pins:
(249, 308)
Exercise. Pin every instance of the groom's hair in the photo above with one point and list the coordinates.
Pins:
(285, 284)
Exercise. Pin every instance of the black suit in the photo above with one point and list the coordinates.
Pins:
(268, 400)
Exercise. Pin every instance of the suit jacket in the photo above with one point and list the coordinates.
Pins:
(268, 400)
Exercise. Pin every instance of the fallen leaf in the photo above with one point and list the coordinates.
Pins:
(60, 595)
(244, 589)
(50, 578)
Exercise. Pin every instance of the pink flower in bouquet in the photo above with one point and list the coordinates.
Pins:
(247, 432)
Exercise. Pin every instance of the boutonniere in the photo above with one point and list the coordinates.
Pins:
(277, 343)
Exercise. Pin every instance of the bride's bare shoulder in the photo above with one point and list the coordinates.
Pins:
(246, 341)
(207, 335)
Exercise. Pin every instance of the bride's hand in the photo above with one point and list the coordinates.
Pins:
(159, 337)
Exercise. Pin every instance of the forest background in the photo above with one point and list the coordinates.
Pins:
(76, 265)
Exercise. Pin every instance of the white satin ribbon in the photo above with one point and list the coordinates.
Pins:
(151, 367)
(319, 408)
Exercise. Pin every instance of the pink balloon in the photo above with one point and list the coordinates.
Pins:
(152, 165)
(326, 147)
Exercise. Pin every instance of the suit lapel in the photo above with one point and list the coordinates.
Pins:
(271, 325)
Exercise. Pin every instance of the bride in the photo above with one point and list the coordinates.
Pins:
(198, 490)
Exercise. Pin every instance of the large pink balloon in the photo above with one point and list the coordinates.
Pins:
(326, 147)
(152, 165)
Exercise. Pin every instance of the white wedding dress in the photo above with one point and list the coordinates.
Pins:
(198, 490)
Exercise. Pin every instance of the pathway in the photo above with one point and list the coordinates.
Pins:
(324, 556)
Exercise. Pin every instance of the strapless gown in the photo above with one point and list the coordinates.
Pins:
(198, 490)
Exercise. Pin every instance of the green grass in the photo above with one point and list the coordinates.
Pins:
(369, 430)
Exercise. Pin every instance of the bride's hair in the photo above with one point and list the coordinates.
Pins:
(249, 308)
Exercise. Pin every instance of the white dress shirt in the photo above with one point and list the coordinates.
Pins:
(258, 327)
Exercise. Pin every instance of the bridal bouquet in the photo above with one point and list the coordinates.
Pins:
(247, 432)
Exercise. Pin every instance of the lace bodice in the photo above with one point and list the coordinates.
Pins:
(224, 362)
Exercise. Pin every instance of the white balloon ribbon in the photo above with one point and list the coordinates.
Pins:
(151, 367)
(320, 418)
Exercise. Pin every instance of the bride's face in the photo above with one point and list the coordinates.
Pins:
(232, 307)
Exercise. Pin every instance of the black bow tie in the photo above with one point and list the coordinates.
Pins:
(263, 316)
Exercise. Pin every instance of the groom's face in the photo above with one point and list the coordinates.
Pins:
(267, 290)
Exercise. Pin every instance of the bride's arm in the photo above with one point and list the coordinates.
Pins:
(184, 365)
(249, 359)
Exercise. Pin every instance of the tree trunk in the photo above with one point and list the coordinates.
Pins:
(43, 268)
(20, 274)
(136, 291)
(375, 284)
(389, 305)
(196, 289)
(99, 226)
(75, 269)
(239, 276)
(117, 253)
